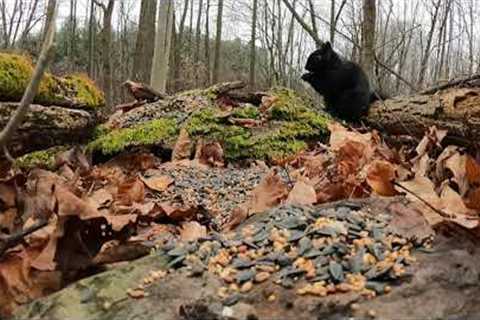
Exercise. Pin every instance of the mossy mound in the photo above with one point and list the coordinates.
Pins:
(154, 132)
(292, 124)
(44, 159)
(289, 126)
(72, 91)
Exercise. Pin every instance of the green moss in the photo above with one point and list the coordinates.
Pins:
(247, 112)
(148, 133)
(44, 158)
(17, 70)
(85, 91)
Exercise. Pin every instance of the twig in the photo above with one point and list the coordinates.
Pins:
(7, 242)
(32, 88)
(450, 84)
(440, 212)
(7, 154)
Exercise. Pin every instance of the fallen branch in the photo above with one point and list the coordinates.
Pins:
(32, 88)
(7, 242)
(450, 84)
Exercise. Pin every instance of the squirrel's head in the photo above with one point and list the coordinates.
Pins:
(321, 58)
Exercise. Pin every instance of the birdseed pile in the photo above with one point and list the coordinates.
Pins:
(315, 251)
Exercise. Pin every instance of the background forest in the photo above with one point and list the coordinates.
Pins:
(416, 43)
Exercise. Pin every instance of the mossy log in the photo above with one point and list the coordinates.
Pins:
(454, 109)
(288, 125)
(45, 127)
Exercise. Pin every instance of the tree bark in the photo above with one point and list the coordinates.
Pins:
(163, 41)
(454, 109)
(143, 57)
(253, 50)
(368, 38)
(218, 43)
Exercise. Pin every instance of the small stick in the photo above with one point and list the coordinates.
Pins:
(440, 212)
(7, 242)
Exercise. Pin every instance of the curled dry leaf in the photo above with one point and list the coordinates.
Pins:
(270, 192)
(210, 153)
(339, 135)
(433, 137)
(302, 193)
(192, 230)
(267, 103)
(183, 147)
(238, 215)
(177, 212)
(158, 183)
(453, 205)
(130, 191)
(380, 177)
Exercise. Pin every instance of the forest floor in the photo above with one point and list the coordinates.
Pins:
(346, 228)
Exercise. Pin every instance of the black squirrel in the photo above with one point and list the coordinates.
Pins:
(342, 83)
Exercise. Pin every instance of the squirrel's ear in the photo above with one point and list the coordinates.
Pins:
(328, 45)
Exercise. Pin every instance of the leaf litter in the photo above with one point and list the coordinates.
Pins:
(123, 209)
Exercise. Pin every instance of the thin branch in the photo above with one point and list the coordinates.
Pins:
(32, 88)
(304, 25)
(7, 242)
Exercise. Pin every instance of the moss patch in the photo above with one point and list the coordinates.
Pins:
(149, 133)
(292, 123)
(17, 70)
(43, 159)
(85, 91)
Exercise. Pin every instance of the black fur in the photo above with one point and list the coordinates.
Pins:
(343, 84)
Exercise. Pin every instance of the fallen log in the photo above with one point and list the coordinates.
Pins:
(45, 127)
(456, 110)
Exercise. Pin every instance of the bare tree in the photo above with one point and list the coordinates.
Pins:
(253, 48)
(368, 37)
(218, 42)
(143, 57)
(163, 42)
(106, 42)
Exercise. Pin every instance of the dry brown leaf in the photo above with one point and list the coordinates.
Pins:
(270, 192)
(380, 176)
(7, 219)
(453, 205)
(433, 137)
(183, 147)
(113, 252)
(421, 165)
(210, 153)
(177, 212)
(425, 189)
(74, 158)
(267, 103)
(339, 135)
(158, 183)
(192, 230)
(100, 199)
(472, 170)
(302, 194)
(237, 216)
(351, 157)
(20, 284)
(130, 191)
(473, 199)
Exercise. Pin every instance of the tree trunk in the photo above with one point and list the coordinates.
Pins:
(368, 39)
(106, 54)
(207, 43)
(218, 42)
(426, 53)
(197, 42)
(91, 40)
(163, 41)
(143, 57)
(253, 49)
